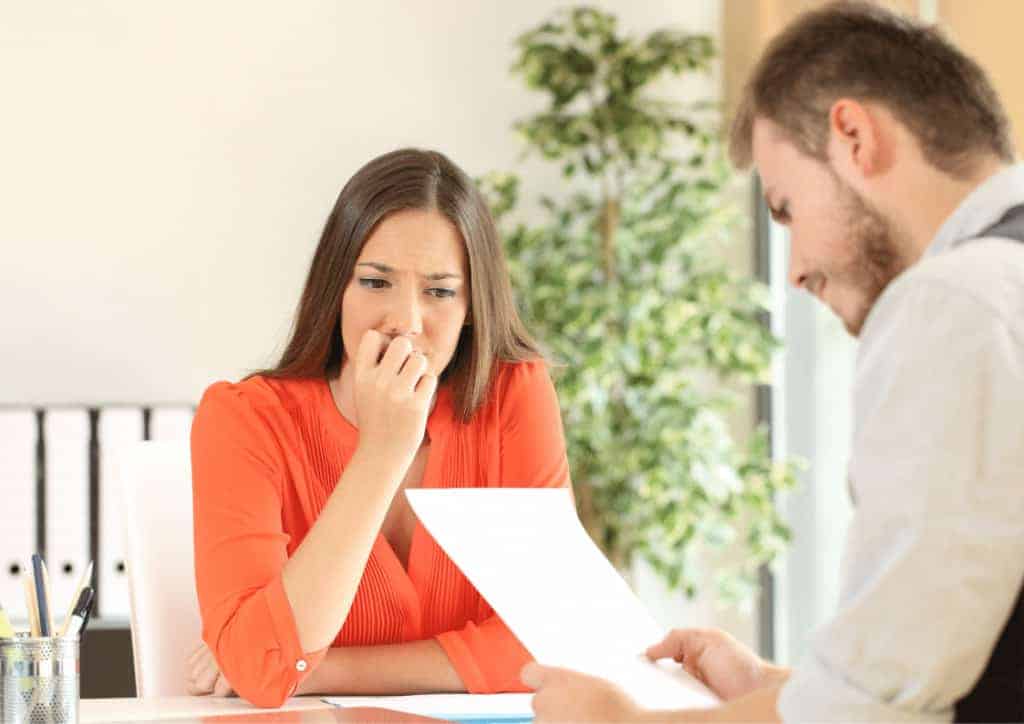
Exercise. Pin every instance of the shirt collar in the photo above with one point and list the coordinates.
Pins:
(982, 208)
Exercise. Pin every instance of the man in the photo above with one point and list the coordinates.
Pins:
(887, 154)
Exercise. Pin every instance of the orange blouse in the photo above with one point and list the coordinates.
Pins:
(266, 455)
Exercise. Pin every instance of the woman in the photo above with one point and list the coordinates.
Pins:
(407, 367)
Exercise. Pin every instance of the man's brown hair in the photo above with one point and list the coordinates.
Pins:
(858, 50)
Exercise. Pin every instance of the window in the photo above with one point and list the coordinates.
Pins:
(811, 417)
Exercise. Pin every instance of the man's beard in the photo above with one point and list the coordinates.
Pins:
(877, 258)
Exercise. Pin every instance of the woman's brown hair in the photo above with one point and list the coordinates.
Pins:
(410, 179)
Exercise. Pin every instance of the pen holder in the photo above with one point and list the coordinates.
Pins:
(38, 680)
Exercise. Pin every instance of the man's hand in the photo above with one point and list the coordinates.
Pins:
(719, 661)
(563, 695)
(203, 677)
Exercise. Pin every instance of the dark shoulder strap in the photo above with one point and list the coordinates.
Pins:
(998, 695)
(1010, 226)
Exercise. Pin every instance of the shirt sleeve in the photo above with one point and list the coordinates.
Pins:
(935, 552)
(487, 655)
(241, 550)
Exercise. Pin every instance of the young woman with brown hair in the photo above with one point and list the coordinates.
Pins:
(407, 367)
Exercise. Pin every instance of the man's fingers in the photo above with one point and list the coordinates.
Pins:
(693, 670)
(540, 704)
(532, 675)
(679, 644)
(536, 676)
(669, 647)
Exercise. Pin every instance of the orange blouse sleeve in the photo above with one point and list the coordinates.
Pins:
(487, 655)
(241, 549)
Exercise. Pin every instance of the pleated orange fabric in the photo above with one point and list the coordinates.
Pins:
(266, 455)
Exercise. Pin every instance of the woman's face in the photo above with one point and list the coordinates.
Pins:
(411, 280)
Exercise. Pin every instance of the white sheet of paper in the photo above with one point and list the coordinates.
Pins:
(528, 555)
(495, 706)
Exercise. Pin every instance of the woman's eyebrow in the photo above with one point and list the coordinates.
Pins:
(443, 275)
(385, 269)
(382, 268)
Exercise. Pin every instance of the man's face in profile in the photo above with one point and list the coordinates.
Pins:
(842, 249)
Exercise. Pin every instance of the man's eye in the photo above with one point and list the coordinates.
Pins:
(372, 283)
(441, 292)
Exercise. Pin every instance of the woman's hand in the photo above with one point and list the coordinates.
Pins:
(203, 677)
(393, 393)
(719, 661)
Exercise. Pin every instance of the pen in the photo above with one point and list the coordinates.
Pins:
(80, 614)
(49, 598)
(86, 577)
(42, 602)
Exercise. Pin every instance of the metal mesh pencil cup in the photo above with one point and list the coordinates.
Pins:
(38, 680)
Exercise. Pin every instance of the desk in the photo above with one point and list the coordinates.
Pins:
(212, 710)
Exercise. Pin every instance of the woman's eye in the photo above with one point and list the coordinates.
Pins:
(372, 283)
(441, 292)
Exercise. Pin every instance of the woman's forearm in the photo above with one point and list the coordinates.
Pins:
(420, 667)
(322, 576)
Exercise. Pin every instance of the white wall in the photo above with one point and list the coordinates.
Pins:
(167, 167)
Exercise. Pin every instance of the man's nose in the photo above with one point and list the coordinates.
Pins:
(798, 269)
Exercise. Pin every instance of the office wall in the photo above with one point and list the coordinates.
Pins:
(990, 32)
(748, 25)
(167, 167)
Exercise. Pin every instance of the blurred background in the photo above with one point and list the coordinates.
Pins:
(167, 169)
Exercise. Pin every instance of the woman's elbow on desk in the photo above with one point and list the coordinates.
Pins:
(265, 677)
(269, 690)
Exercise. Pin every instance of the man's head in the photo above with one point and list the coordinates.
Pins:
(867, 129)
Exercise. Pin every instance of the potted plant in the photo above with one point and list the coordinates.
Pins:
(623, 277)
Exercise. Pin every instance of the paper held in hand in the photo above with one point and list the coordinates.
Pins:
(528, 555)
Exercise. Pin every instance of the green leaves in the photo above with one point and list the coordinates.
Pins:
(599, 119)
(628, 289)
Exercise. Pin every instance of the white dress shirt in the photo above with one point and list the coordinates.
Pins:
(934, 556)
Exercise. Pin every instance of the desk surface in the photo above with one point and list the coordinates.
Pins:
(210, 710)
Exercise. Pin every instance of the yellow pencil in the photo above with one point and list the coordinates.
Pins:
(30, 607)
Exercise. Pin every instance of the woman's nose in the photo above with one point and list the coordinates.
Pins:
(404, 317)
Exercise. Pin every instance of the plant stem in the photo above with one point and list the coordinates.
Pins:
(610, 213)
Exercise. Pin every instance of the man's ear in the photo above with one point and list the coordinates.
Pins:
(857, 141)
